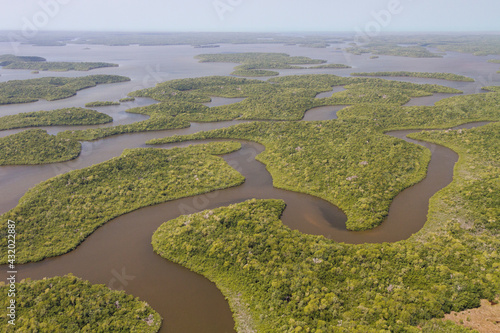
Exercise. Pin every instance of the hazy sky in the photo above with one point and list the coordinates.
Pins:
(251, 15)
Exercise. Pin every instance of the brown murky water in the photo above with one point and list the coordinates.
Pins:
(119, 254)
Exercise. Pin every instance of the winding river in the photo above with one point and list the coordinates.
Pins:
(119, 253)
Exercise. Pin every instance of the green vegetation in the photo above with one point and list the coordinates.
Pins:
(35, 146)
(9, 61)
(350, 162)
(336, 66)
(447, 112)
(315, 45)
(380, 48)
(473, 200)
(69, 304)
(177, 38)
(480, 45)
(100, 103)
(290, 282)
(492, 88)
(374, 57)
(205, 46)
(353, 166)
(127, 99)
(495, 61)
(442, 76)
(253, 64)
(55, 216)
(255, 57)
(283, 98)
(67, 116)
(50, 88)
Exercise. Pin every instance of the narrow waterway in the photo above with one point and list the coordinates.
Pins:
(119, 253)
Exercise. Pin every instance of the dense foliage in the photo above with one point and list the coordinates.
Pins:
(442, 76)
(336, 66)
(50, 88)
(177, 38)
(9, 61)
(69, 304)
(480, 45)
(283, 98)
(100, 103)
(485, 44)
(290, 282)
(35, 146)
(350, 162)
(55, 216)
(253, 64)
(66, 116)
(391, 49)
(492, 88)
(474, 198)
(127, 99)
(354, 167)
(447, 112)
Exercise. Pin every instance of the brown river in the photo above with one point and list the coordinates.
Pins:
(119, 253)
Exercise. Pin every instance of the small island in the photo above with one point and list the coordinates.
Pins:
(254, 64)
(36, 146)
(59, 117)
(100, 103)
(335, 66)
(51, 88)
(9, 61)
(441, 76)
(383, 48)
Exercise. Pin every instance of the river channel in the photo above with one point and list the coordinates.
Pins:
(119, 254)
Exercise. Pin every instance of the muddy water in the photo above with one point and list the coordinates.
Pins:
(119, 254)
(16, 180)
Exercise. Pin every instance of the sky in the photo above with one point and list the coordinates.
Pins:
(251, 15)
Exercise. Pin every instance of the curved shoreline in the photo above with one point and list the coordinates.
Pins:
(121, 256)
(127, 261)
